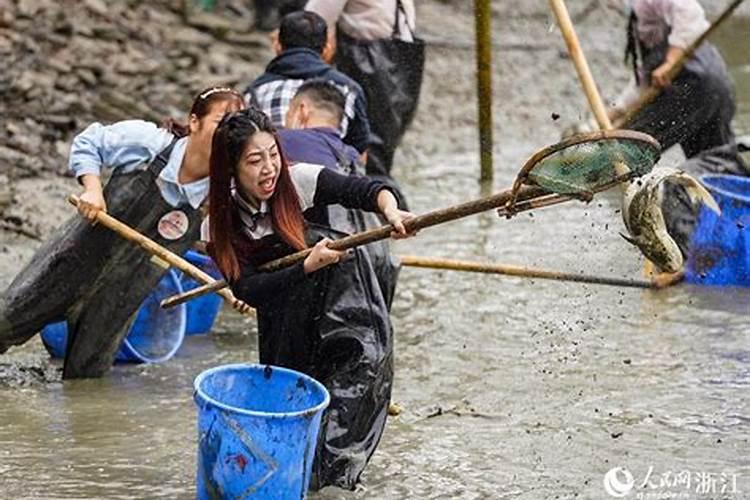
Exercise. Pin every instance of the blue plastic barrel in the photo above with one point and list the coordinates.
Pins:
(257, 431)
(201, 312)
(720, 245)
(154, 336)
(55, 339)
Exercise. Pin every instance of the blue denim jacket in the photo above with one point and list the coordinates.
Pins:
(132, 145)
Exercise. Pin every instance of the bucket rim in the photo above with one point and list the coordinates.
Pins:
(198, 257)
(129, 350)
(706, 179)
(204, 262)
(256, 413)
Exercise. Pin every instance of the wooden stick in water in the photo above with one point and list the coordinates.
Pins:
(483, 28)
(478, 267)
(520, 271)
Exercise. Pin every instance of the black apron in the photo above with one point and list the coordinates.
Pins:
(335, 327)
(390, 73)
(350, 221)
(696, 110)
(93, 277)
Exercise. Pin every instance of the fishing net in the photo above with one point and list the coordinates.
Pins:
(587, 163)
(573, 169)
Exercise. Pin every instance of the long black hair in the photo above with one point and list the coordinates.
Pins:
(229, 142)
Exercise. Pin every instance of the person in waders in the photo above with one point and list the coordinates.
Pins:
(312, 137)
(87, 274)
(375, 44)
(325, 316)
(695, 110)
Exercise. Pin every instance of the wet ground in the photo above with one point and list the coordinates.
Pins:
(512, 388)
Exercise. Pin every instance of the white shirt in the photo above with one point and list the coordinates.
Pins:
(132, 145)
(366, 19)
(685, 18)
(680, 22)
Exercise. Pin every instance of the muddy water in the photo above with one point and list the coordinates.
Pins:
(512, 388)
(733, 38)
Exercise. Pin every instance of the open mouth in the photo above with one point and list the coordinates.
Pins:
(266, 186)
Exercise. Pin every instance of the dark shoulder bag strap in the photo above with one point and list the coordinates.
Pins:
(161, 160)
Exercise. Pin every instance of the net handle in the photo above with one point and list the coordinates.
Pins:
(429, 219)
(518, 192)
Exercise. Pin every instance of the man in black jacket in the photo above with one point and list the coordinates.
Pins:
(301, 47)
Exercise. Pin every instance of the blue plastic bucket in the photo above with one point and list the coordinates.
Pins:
(257, 431)
(201, 312)
(154, 336)
(720, 245)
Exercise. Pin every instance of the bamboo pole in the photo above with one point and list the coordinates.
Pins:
(162, 253)
(524, 272)
(416, 223)
(589, 85)
(653, 91)
(581, 65)
(483, 28)
(476, 267)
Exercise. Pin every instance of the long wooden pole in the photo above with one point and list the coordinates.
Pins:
(416, 223)
(475, 267)
(194, 293)
(162, 253)
(581, 65)
(588, 83)
(525, 272)
(653, 91)
(483, 28)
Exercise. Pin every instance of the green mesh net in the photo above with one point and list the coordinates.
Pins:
(589, 163)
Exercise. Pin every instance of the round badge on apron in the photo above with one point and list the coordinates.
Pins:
(173, 225)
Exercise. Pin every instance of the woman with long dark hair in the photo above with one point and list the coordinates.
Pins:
(325, 316)
(87, 274)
